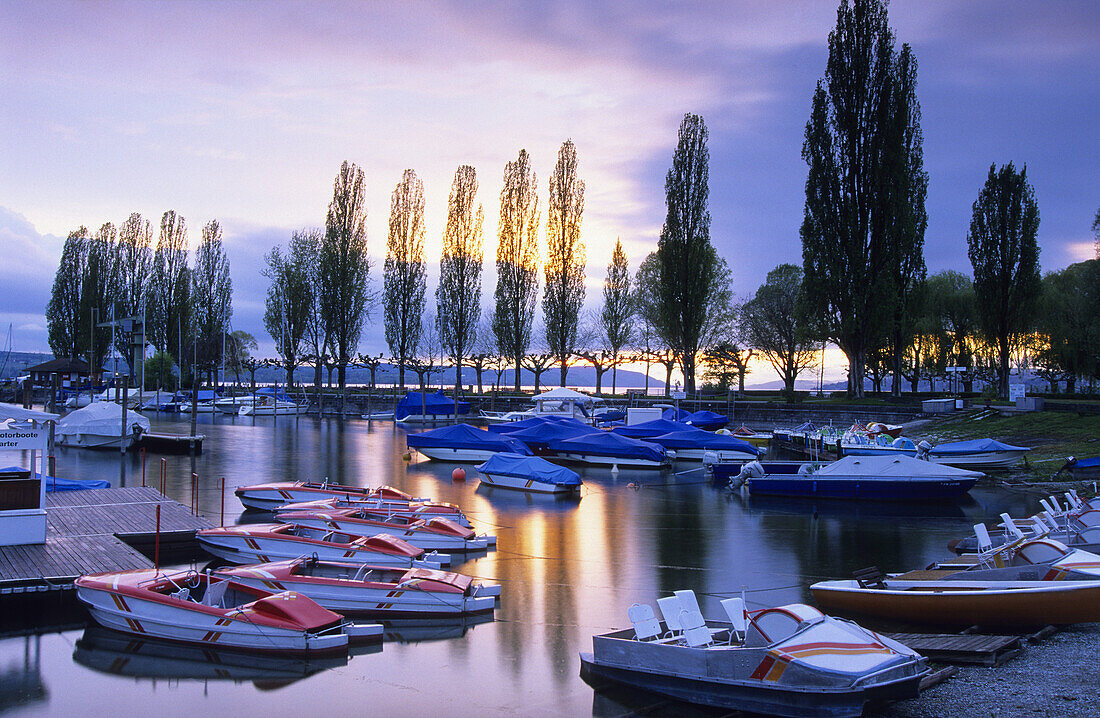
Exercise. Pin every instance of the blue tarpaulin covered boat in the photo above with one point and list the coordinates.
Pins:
(462, 442)
(528, 473)
(607, 448)
(415, 406)
(510, 427)
(691, 444)
(54, 483)
(707, 420)
(540, 436)
(646, 429)
(979, 453)
(674, 414)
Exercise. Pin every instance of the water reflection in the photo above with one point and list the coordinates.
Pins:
(569, 569)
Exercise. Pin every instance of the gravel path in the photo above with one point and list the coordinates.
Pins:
(1059, 676)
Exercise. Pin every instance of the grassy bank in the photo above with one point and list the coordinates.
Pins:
(1051, 435)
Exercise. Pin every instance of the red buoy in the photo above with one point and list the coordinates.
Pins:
(459, 474)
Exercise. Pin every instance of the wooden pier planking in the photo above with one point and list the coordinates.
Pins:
(984, 649)
(86, 532)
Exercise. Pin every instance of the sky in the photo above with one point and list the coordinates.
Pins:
(243, 112)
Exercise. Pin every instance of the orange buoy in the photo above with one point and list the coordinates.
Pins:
(407, 456)
(459, 474)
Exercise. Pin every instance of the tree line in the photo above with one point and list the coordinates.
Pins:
(118, 272)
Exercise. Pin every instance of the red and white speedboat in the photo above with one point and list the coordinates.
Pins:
(372, 590)
(268, 497)
(434, 533)
(260, 543)
(409, 509)
(199, 608)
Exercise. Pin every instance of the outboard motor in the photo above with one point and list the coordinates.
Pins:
(751, 470)
(922, 450)
(710, 458)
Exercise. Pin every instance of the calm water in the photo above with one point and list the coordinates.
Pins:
(569, 569)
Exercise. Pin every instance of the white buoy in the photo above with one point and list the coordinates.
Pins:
(614, 469)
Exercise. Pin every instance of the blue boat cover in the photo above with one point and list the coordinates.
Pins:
(529, 467)
(698, 439)
(58, 484)
(1087, 463)
(206, 394)
(435, 404)
(606, 443)
(707, 420)
(464, 436)
(674, 414)
(646, 429)
(974, 446)
(547, 431)
(509, 427)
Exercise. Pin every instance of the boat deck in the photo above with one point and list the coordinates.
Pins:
(96, 530)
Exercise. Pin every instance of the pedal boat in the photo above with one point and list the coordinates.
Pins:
(260, 543)
(268, 497)
(411, 510)
(786, 661)
(364, 589)
(201, 609)
(430, 534)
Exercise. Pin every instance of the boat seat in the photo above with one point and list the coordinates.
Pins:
(870, 577)
(646, 625)
(669, 606)
(183, 594)
(735, 610)
(688, 601)
(696, 634)
(215, 594)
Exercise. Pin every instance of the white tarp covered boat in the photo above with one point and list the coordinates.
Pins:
(787, 661)
(372, 590)
(196, 608)
(100, 426)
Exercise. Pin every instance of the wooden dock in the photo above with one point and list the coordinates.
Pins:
(982, 649)
(96, 530)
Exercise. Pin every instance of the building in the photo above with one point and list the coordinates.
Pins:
(72, 372)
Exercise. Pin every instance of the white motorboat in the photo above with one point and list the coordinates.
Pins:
(560, 403)
(268, 405)
(197, 608)
(260, 543)
(364, 589)
(99, 426)
(528, 473)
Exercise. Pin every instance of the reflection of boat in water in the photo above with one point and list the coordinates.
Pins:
(950, 509)
(122, 654)
(417, 630)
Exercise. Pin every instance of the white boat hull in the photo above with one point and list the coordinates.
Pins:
(985, 459)
(601, 460)
(259, 410)
(723, 456)
(95, 441)
(522, 484)
(259, 549)
(464, 456)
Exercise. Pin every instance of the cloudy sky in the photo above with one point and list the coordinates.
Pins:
(243, 112)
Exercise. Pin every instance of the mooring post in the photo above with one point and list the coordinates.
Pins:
(223, 503)
(156, 545)
(163, 474)
(195, 494)
(143, 467)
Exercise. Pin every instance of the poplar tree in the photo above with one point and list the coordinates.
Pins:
(168, 290)
(288, 305)
(458, 297)
(863, 225)
(563, 291)
(97, 293)
(517, 262)
(618, 308)
(63, 321)
(404, 275)
(1004, 252)
(134, 267)
(211, 297)
(344, 267)
(305, 253)
(686, 259)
